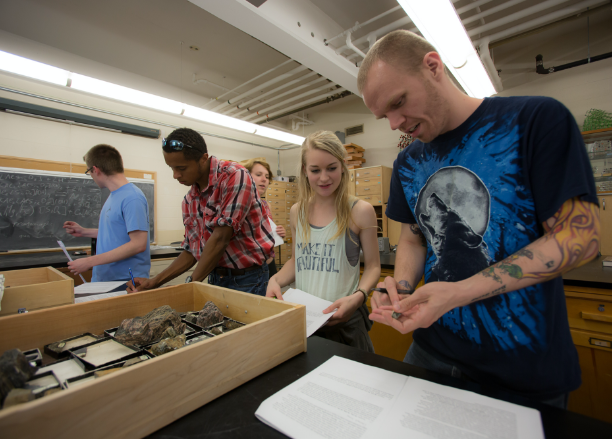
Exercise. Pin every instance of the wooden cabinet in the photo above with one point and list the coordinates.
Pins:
(351, 184)
(605, 218)
(372, 184)
(589, 312)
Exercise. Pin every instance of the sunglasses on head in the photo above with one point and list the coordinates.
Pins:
(174, 145)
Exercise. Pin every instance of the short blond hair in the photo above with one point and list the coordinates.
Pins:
(252, 162)
(400, 48)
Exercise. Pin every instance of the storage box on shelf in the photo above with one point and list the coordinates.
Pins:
(589, 313)
(35, 288)
(598, 143)
(147, 396)
(354, 156)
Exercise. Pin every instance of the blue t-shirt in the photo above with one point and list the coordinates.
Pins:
(480, 193)
(125, 210)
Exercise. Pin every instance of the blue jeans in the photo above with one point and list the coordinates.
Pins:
(418, 357)
(254, 281)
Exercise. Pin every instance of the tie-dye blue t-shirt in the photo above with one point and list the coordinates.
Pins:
(480, 193)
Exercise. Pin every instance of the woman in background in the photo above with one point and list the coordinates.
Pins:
(329, 228)
(261, 174)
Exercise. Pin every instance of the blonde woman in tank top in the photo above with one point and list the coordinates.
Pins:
(329, 228)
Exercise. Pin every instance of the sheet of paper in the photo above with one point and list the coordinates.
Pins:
(61, 244)
(427, 410)
(314, 308)
(339, 399)
(91, 297)
(277, 239)
(97, 287)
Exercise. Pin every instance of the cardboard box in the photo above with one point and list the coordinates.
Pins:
(141, 399)
(35, 288)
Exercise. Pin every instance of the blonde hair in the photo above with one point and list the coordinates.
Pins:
(252, 162)
(328, 142)
(400, 48)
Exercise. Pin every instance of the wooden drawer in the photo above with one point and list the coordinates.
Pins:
(275, 189)
(369, 188)
(280, 218)
(289, 203)
(291, 197)
(279, 207)
(292, 185)
(291, 191)
(373, 199)
(590, 339)
(593, 314)
(375, 171)
(275, 196)
(277, 184)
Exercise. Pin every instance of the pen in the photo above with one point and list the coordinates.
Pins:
(132, 276)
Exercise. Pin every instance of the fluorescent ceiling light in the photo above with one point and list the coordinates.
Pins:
(32, 69)
(240, 125)
(439, 24)
(114, 91)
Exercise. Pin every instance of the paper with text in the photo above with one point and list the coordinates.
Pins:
(97, 287)
(314, 308)
(91, 297)
(338, 400)
(427, 410)
(346, 399)
(63, 247)
(277, 239)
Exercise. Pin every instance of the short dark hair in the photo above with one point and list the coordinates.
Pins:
(191, 138)
(106, 158)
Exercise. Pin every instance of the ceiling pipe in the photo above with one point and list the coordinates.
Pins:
(383, 30)
(545, 19)
(515, 17)
(260, 87)
(274, 90)
(293, 90)
(359, 26)
(287, 111)
(307, 106)
(490, 11)
(485, 57)
(557, 23)
(351, 46)
(286, 101)
(472, 6)
(540, 69)
(206, 81)
(249, 81)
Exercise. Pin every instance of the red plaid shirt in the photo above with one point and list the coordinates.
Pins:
(231, 200)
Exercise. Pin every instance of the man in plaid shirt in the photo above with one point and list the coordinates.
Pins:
(225, 230)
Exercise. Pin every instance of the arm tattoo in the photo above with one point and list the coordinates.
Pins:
(405, 285)
(415, 229)
(495, 292)
(575, 230)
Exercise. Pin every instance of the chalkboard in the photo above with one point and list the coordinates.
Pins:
(35, 204)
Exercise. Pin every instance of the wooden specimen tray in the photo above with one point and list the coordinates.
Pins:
(35, 288)
(141, 399)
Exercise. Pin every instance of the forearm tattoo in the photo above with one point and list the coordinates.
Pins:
(406, 285)
(495, 292)
(575, 230)
(415, 229)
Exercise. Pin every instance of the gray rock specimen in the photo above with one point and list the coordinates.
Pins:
(141, 331)
(18, 396)
(209, 315)
(169, 333)
(228, 325)
(191, 317)
(15, 370)
(168, 345)
(217, 330)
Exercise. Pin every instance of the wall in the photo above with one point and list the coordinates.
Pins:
(34, 138)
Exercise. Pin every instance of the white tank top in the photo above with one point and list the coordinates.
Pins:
(321, 266)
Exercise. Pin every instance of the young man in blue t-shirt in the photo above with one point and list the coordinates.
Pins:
(496, 199)
(123, 230)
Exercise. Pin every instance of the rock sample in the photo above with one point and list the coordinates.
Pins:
(169, 333)
(168, 345)
(15, 371)
(141, 331)
(209, 315)
(228, 325)
(18, 396)
(217, 330)
(191, 317)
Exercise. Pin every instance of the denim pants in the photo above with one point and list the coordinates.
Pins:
(254, 281)
(418, 357)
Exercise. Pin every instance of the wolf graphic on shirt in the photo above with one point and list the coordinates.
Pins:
(459, 249)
